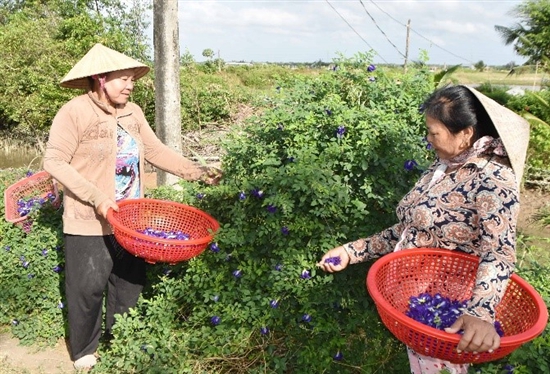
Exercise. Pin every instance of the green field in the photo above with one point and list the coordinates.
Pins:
(500, 77)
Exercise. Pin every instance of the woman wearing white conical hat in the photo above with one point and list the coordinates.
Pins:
(97, 148)
(468, 201)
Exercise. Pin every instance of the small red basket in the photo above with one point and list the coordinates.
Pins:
(136, 215)
(395, 277)
(38, 185)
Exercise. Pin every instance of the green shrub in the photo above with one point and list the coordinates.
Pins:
(205, 99)
(497, 93)
(536, 104)
(328, 156)
(31, 275)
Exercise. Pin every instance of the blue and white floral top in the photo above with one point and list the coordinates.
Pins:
(127, 184)
(473, 209)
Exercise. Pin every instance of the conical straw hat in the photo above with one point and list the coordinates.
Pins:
(100, 60)
(512, 128)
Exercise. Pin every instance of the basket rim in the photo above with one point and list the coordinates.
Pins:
(113, 221)
(38, 175)
(506, 341)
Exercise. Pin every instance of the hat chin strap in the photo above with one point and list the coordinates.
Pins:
(101, 80)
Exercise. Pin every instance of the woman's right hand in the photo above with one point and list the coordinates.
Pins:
(329, 262)
(104, 207)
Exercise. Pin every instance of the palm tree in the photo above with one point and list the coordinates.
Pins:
(530, 36)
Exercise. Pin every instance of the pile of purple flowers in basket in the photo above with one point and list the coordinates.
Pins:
(26, 206)
(177, 235)
(438, 311)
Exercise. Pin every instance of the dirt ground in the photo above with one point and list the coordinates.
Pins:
(17, 359)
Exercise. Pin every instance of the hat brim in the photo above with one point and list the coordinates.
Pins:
(512, 129)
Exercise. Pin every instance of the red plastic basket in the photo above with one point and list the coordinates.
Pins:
(395, 277)
(136, 215)
(39, 184)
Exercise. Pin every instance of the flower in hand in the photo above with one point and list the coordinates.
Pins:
(211, 175)
(334, 260)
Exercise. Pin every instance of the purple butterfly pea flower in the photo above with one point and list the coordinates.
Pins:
(410, 165)
(285, 230)
(333, 260)
(257, 193)
(306, 318)
(305, 274)
(279, 267)
(338, 356)
(215, 320)
(200, 196)
(264, 330)
(274, 303)
(214, 247)
(371, 68)
(340, 131)
(242, 195)
(58, 268)
(271, 208)
(237, 273)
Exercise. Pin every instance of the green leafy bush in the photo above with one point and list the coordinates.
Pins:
(323, 164)
(535, 104)
(31, 275)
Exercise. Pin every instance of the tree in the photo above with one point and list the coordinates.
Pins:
(531, 35)
(40, 40)
(480, 65)
(208, 53)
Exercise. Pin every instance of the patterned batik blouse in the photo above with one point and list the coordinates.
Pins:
(473, 209)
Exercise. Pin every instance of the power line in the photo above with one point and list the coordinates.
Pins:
(351, 27)
(378, 27)
(422, 36)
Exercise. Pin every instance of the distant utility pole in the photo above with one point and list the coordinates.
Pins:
(407, 46)
(167, 79)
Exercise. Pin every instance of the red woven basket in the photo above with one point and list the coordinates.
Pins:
(395, 277)
(37, 185)
(136, 215)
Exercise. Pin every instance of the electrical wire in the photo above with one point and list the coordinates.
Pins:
(383, 33)
(351, 27)
(422, 36)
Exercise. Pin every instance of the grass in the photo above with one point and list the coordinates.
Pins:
(499, 77)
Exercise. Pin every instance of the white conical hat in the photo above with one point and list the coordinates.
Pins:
(100, 60)
(512, 128)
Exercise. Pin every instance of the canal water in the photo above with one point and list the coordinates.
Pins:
(20, 158)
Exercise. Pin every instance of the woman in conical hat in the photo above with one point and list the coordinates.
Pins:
(468, 201)
(97, 148)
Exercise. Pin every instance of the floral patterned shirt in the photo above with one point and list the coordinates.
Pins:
(473, 209)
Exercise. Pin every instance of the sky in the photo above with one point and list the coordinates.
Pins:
(449, 32)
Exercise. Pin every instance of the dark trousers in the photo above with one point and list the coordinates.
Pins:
(93, 265)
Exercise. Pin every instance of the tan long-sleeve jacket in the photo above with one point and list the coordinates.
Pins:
(81, 155)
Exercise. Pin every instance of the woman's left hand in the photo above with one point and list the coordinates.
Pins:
(479, 336)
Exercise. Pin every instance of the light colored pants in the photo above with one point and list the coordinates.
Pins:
(428, 365)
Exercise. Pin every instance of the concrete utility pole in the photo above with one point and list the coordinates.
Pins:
(407, 47)
(167, 79)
